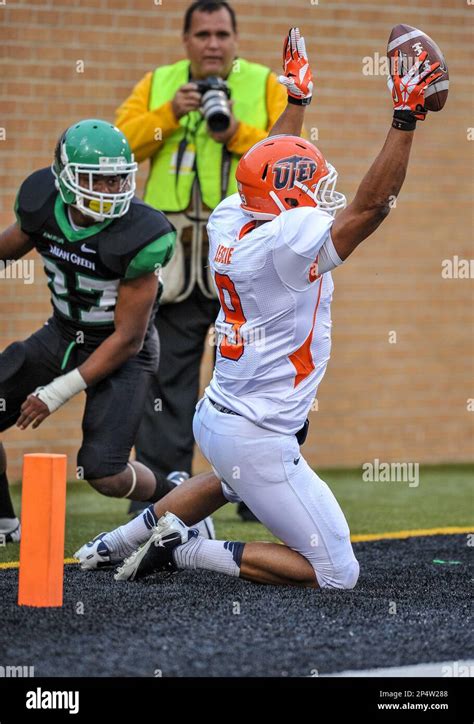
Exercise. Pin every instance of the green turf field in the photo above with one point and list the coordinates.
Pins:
(443, 498)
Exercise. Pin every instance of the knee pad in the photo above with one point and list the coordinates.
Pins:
(350, 575)
(91, 463)
(344, 578)
(88, 463)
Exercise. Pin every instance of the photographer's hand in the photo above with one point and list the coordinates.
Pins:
(187, 98)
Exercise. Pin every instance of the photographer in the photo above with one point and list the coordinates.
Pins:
(193, 119)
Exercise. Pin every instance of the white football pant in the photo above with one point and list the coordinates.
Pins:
(267, 471)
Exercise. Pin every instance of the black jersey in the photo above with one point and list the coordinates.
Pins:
(85, 266)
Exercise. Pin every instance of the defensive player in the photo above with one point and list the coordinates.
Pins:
(272, 249)
(102, 250)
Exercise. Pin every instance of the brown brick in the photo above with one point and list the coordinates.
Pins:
(405, 401)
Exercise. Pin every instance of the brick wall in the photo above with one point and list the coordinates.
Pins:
(402, 401)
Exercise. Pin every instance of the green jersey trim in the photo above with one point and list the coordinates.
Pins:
(67, 354)
(73, 234)
(152, 257)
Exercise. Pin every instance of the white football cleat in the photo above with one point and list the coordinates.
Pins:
(157, 553)
(96, 554)
(10, 530)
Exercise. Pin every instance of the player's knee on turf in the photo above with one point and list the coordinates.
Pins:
(342, 578)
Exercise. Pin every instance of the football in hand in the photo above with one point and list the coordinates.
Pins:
(411, 43)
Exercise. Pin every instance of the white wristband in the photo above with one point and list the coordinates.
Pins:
(61, 389)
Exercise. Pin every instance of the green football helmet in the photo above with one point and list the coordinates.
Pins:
(94, 148)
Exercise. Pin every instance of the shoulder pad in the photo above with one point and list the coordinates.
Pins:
(35, 200)
(128, 235)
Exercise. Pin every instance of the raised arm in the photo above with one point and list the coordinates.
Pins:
(383, 181)
(297, 78)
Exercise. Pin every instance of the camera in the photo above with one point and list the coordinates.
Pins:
(215, 102)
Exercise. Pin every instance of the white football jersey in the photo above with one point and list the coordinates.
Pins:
(273, 331)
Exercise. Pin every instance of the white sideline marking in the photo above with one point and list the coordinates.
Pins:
(443, 669)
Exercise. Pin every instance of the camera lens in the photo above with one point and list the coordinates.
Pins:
(215, 109)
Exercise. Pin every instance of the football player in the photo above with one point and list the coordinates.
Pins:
(102, 250)
(272, 249)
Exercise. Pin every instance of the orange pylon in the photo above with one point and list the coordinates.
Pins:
(43, 518)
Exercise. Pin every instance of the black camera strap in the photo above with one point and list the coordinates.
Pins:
(225, 171)
(189, 136)
(225, 163)
(183, 144)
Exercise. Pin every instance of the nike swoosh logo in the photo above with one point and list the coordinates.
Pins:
(86, 250)
(296, 461)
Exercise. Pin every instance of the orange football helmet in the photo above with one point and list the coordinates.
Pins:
(283, 172)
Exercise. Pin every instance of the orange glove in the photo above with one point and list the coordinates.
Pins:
(408, 92)
(297, 73)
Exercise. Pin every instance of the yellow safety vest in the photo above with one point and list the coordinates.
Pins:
(171, 192)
